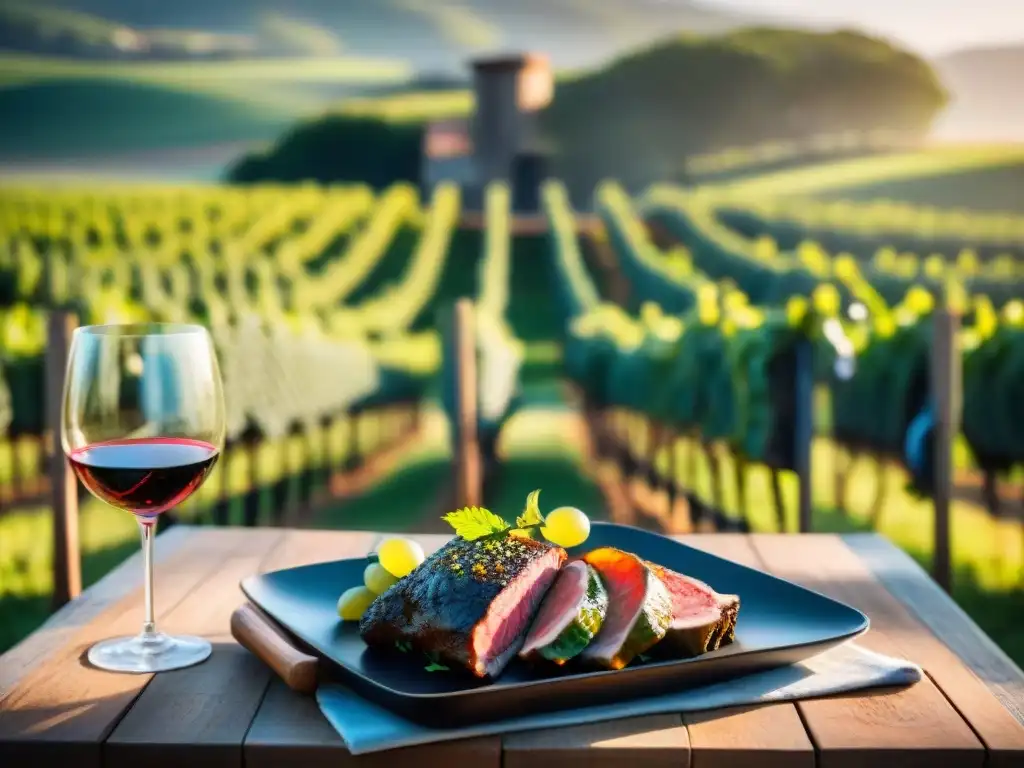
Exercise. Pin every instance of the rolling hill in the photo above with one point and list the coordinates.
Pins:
(986, 104)
(86, 117)
(430, 34)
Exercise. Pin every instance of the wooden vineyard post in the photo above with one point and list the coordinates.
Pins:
(803, 431)
(67, 558)
(251, 503)
(308, 471)
(672, 485)
(842, 463)
(740, 468)
(715, 471)
(945, 386)
(281, 506)
(352, 450)
(468, 469)
(778, 500)
(324, 473)
(222, 507)
(17, 484)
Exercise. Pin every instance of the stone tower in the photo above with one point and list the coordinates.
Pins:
(509, 90)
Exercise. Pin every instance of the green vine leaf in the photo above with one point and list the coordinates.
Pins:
(531, 516)
(403, 646)
(473, 523)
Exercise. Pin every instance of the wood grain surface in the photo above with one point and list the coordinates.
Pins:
(918, 724)
(232, 711)
(907, 581)
(746, 737)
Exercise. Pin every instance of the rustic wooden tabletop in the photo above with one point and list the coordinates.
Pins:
(968, 711)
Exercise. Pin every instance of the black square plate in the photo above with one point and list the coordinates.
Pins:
(779, 623)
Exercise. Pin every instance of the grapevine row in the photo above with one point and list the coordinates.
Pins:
(873, 409)
(267, 270)
(499, 354)
(887, 222)
(769, 275)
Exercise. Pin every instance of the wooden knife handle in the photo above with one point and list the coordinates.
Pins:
(268, 643)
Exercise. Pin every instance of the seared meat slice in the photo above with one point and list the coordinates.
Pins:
(470, 603)
(571, 614)
(639, 608)
(702, 619)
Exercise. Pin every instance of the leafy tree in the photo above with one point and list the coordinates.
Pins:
(639, 117)
(339, 148)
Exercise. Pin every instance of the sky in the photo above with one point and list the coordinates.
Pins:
(930, 26)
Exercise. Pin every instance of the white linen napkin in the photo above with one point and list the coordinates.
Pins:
(367, 727)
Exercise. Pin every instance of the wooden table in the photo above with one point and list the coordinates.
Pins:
(230, 712)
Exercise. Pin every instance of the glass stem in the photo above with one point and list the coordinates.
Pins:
(147, 528)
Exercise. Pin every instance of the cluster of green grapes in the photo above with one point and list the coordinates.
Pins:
(396, 558)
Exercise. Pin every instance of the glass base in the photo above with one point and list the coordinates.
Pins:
(155, 652)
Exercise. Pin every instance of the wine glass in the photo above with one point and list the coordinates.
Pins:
(142, 426)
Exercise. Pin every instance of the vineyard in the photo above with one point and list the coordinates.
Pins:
(710, 358)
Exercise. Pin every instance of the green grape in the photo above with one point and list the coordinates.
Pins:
(566, 527)
(400, 556)
(353, 603)
(377, 578)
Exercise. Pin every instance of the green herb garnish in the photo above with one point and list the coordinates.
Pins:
(434, 665)
(472, 523)
(531, 517)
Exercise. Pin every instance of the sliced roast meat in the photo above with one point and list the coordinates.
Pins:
(470, 603)
(639, 608)
(571, 614)
(702, 619)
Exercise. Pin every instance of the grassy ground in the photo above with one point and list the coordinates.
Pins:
(541, 449)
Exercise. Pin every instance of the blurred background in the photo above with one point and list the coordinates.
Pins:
(725, 261)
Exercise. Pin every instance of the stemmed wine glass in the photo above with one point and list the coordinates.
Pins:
(143, 425)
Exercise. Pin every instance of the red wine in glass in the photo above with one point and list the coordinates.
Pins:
(142, 423)
(146, 475)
